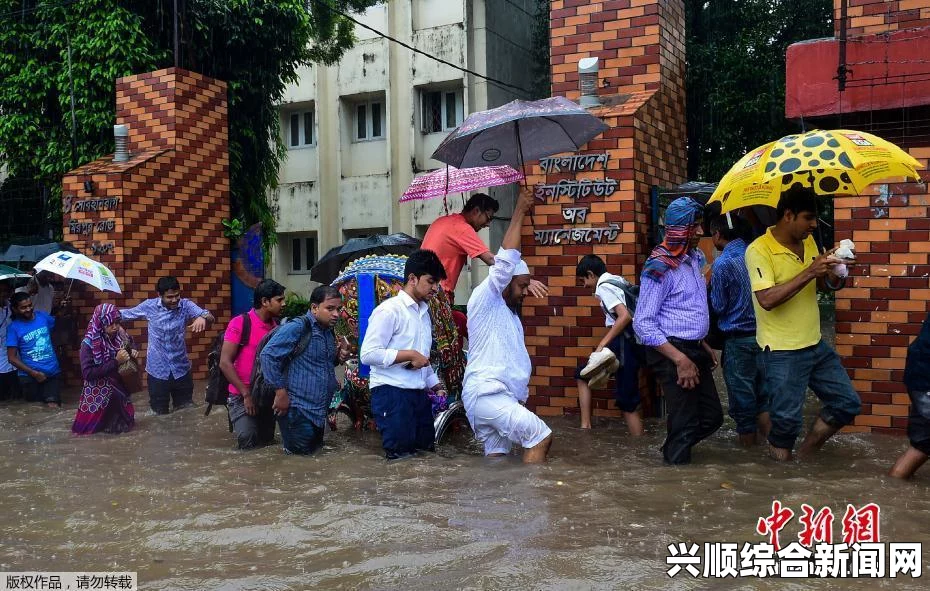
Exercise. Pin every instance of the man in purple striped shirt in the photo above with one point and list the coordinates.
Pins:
(672, 320)
(166, 359)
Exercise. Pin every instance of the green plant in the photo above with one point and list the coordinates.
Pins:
(295, 305)
(233, 229)
(51, 51)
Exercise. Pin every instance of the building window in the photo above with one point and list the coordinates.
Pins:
(369, 121)
(299, 129)
(303, 253)
(442, 110)
(363, 233)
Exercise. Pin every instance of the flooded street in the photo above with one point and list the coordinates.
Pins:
(175, 502)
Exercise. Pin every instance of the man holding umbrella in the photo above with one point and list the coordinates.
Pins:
(785, 268)
(498, 372)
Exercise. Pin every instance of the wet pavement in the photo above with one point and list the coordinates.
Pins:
(175, 502)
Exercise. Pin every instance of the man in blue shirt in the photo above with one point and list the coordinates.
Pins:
(29, 349)
(731, 299)
(167, 363)
(304, 386)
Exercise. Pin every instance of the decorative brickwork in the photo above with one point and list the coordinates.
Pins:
(870, 17)
(641, 85)
(172, 196)
(878, 315)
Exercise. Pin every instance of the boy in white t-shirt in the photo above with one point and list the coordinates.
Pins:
(592, 272)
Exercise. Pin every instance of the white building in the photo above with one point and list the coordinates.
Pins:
(359, 132)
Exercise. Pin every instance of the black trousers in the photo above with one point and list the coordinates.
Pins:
(9, 386)
(693, 414)
(179, 391)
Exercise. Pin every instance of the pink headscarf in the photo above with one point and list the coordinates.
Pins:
(103, 346)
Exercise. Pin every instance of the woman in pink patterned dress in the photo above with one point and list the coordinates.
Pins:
(105, 404)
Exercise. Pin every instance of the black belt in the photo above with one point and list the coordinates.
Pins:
(676, 341)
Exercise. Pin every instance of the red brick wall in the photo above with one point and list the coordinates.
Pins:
(878, 317)
(174, 194)
(869, 17)
(641, 46)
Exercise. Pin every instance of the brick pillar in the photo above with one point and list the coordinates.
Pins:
(164, 206)
(640, 44)
(868, 17)
(878, 317)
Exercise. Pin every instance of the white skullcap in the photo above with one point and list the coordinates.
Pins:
(521, 268)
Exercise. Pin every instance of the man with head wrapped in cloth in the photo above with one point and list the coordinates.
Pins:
(672, 320)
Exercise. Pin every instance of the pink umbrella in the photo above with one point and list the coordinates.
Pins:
(441, 182)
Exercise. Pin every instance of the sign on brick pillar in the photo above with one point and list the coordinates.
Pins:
(583, 207)
(882, 310)
(641, 50)
(172, 196)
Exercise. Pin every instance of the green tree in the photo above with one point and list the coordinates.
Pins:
(736, 74)
(51, 51)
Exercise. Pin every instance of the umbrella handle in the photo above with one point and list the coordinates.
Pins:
(522, 166)
(68, 293)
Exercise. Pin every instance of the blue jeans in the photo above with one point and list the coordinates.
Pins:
(404, 418)
(744, 387)
(786, 376)
(298, 433)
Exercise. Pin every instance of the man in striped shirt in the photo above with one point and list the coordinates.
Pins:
(672, 320)
(304, 386)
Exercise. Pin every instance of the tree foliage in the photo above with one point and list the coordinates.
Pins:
(736, 74)
(51, 50)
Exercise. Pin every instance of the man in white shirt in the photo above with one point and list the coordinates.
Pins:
(498, 372)
(397, 346)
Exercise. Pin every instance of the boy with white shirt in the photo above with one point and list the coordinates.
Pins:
(397, 347)
(592, 272)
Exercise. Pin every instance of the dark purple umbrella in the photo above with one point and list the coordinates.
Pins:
(518, 132)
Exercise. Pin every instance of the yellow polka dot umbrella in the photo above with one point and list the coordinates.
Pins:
(834, 162)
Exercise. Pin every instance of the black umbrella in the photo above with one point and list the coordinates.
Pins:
(332, 263)
(32, 253)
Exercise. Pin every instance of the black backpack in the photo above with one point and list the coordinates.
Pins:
(217, 392)
(630, 294)
(262, 392)
(631, 297)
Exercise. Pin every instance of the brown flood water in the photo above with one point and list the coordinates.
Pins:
(175, 502)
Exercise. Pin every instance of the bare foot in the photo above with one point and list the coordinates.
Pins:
(818, 435)
(54, 405)
(779, 454)
(908, 463)
(583, 426)
(634, 422)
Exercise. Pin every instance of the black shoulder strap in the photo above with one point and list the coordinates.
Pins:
(246, 330)
(302, 343)
(618, 285)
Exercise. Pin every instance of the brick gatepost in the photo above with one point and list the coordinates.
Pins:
(160, 213)
(641, 48)
(887, 93)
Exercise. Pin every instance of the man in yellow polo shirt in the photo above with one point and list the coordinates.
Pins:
(785, 269)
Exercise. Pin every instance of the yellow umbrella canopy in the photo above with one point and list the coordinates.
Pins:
(831, 162)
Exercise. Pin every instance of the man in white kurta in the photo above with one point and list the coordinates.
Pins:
(498, 372)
